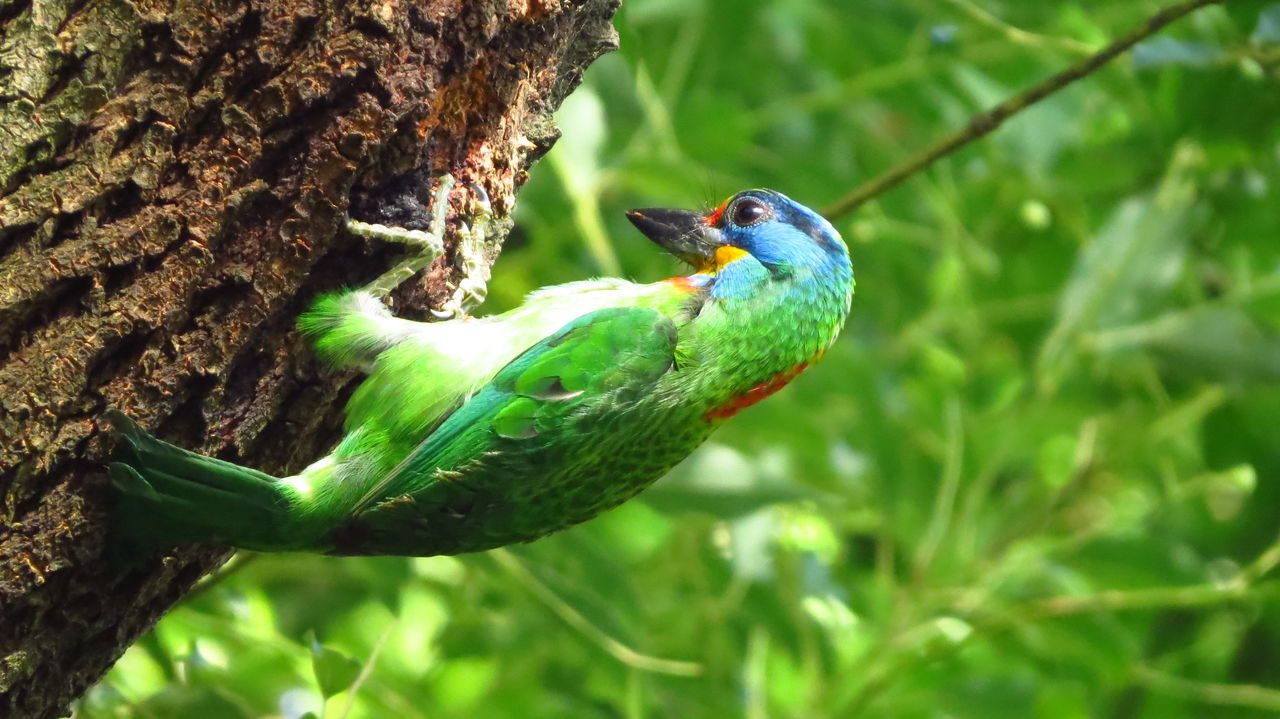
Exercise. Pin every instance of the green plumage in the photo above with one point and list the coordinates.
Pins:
(475, 433)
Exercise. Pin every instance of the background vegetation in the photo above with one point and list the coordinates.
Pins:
(1035, 477)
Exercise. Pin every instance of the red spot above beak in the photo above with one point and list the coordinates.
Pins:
(714, 218)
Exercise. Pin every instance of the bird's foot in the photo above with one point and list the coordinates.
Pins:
(429, 244)
(474, 235)
(473, 240)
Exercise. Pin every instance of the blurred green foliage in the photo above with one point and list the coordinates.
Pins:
(1035, 477)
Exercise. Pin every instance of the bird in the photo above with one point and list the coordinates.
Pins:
(475, 433)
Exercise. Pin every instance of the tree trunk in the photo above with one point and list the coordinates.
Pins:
(173, 179)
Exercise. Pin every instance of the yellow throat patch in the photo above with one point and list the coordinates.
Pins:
(723, 256)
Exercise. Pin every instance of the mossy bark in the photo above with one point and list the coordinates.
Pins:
(173, 179)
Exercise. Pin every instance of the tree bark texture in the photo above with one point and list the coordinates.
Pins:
(174, 175)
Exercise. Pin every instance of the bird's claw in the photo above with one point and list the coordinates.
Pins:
(429, 244)
(473, 236)
(473, 239)
(482, 199)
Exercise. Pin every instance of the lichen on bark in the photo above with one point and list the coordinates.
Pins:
(173, 178)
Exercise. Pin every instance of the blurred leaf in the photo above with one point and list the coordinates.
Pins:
(334, 671)
(581, 118)
(1163, 50)
(1211, 341)
(943, 364)
(1057, 460)
(751, 541)
(464, 682)
(1128, 267)
(205, 702)
(1268, 29)
(721, 481)
(1227, 491)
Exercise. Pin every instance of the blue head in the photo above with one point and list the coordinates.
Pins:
(755, 236)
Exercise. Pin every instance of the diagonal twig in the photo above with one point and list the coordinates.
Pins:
(575, 619)
(984, 123)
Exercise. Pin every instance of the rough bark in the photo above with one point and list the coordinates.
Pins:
(173, 177)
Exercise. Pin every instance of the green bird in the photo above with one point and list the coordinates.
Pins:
(472, 433)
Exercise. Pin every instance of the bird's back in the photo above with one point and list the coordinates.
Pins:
(625, 406)
(417, 383)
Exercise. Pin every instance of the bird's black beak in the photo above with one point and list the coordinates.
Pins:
(683, 233)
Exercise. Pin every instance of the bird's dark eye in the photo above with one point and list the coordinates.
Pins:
(749, 212)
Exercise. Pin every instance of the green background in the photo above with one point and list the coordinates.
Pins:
(1035, 477)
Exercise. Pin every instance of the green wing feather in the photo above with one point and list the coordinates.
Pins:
(595, 363)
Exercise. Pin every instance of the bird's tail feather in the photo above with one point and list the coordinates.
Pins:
(167, 496)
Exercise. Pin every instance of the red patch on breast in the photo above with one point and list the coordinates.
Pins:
(755, 394)
(684, 284)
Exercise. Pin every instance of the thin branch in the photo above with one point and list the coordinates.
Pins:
(238, 561)
(367, 670)
(575, 619)
(1246, 584)
(1236, 695)
(1017, 34)
(1262, 566)
(944, 503)
(984, 123)
(1249, 584)
(1115, 600)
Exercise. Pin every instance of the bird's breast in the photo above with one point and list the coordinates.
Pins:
(739, 402)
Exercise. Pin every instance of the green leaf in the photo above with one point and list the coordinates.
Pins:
(334, 671)
(1129, 266)
(1226, 492)
(1056, 460)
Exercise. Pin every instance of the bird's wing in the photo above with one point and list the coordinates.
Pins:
(611, 355)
